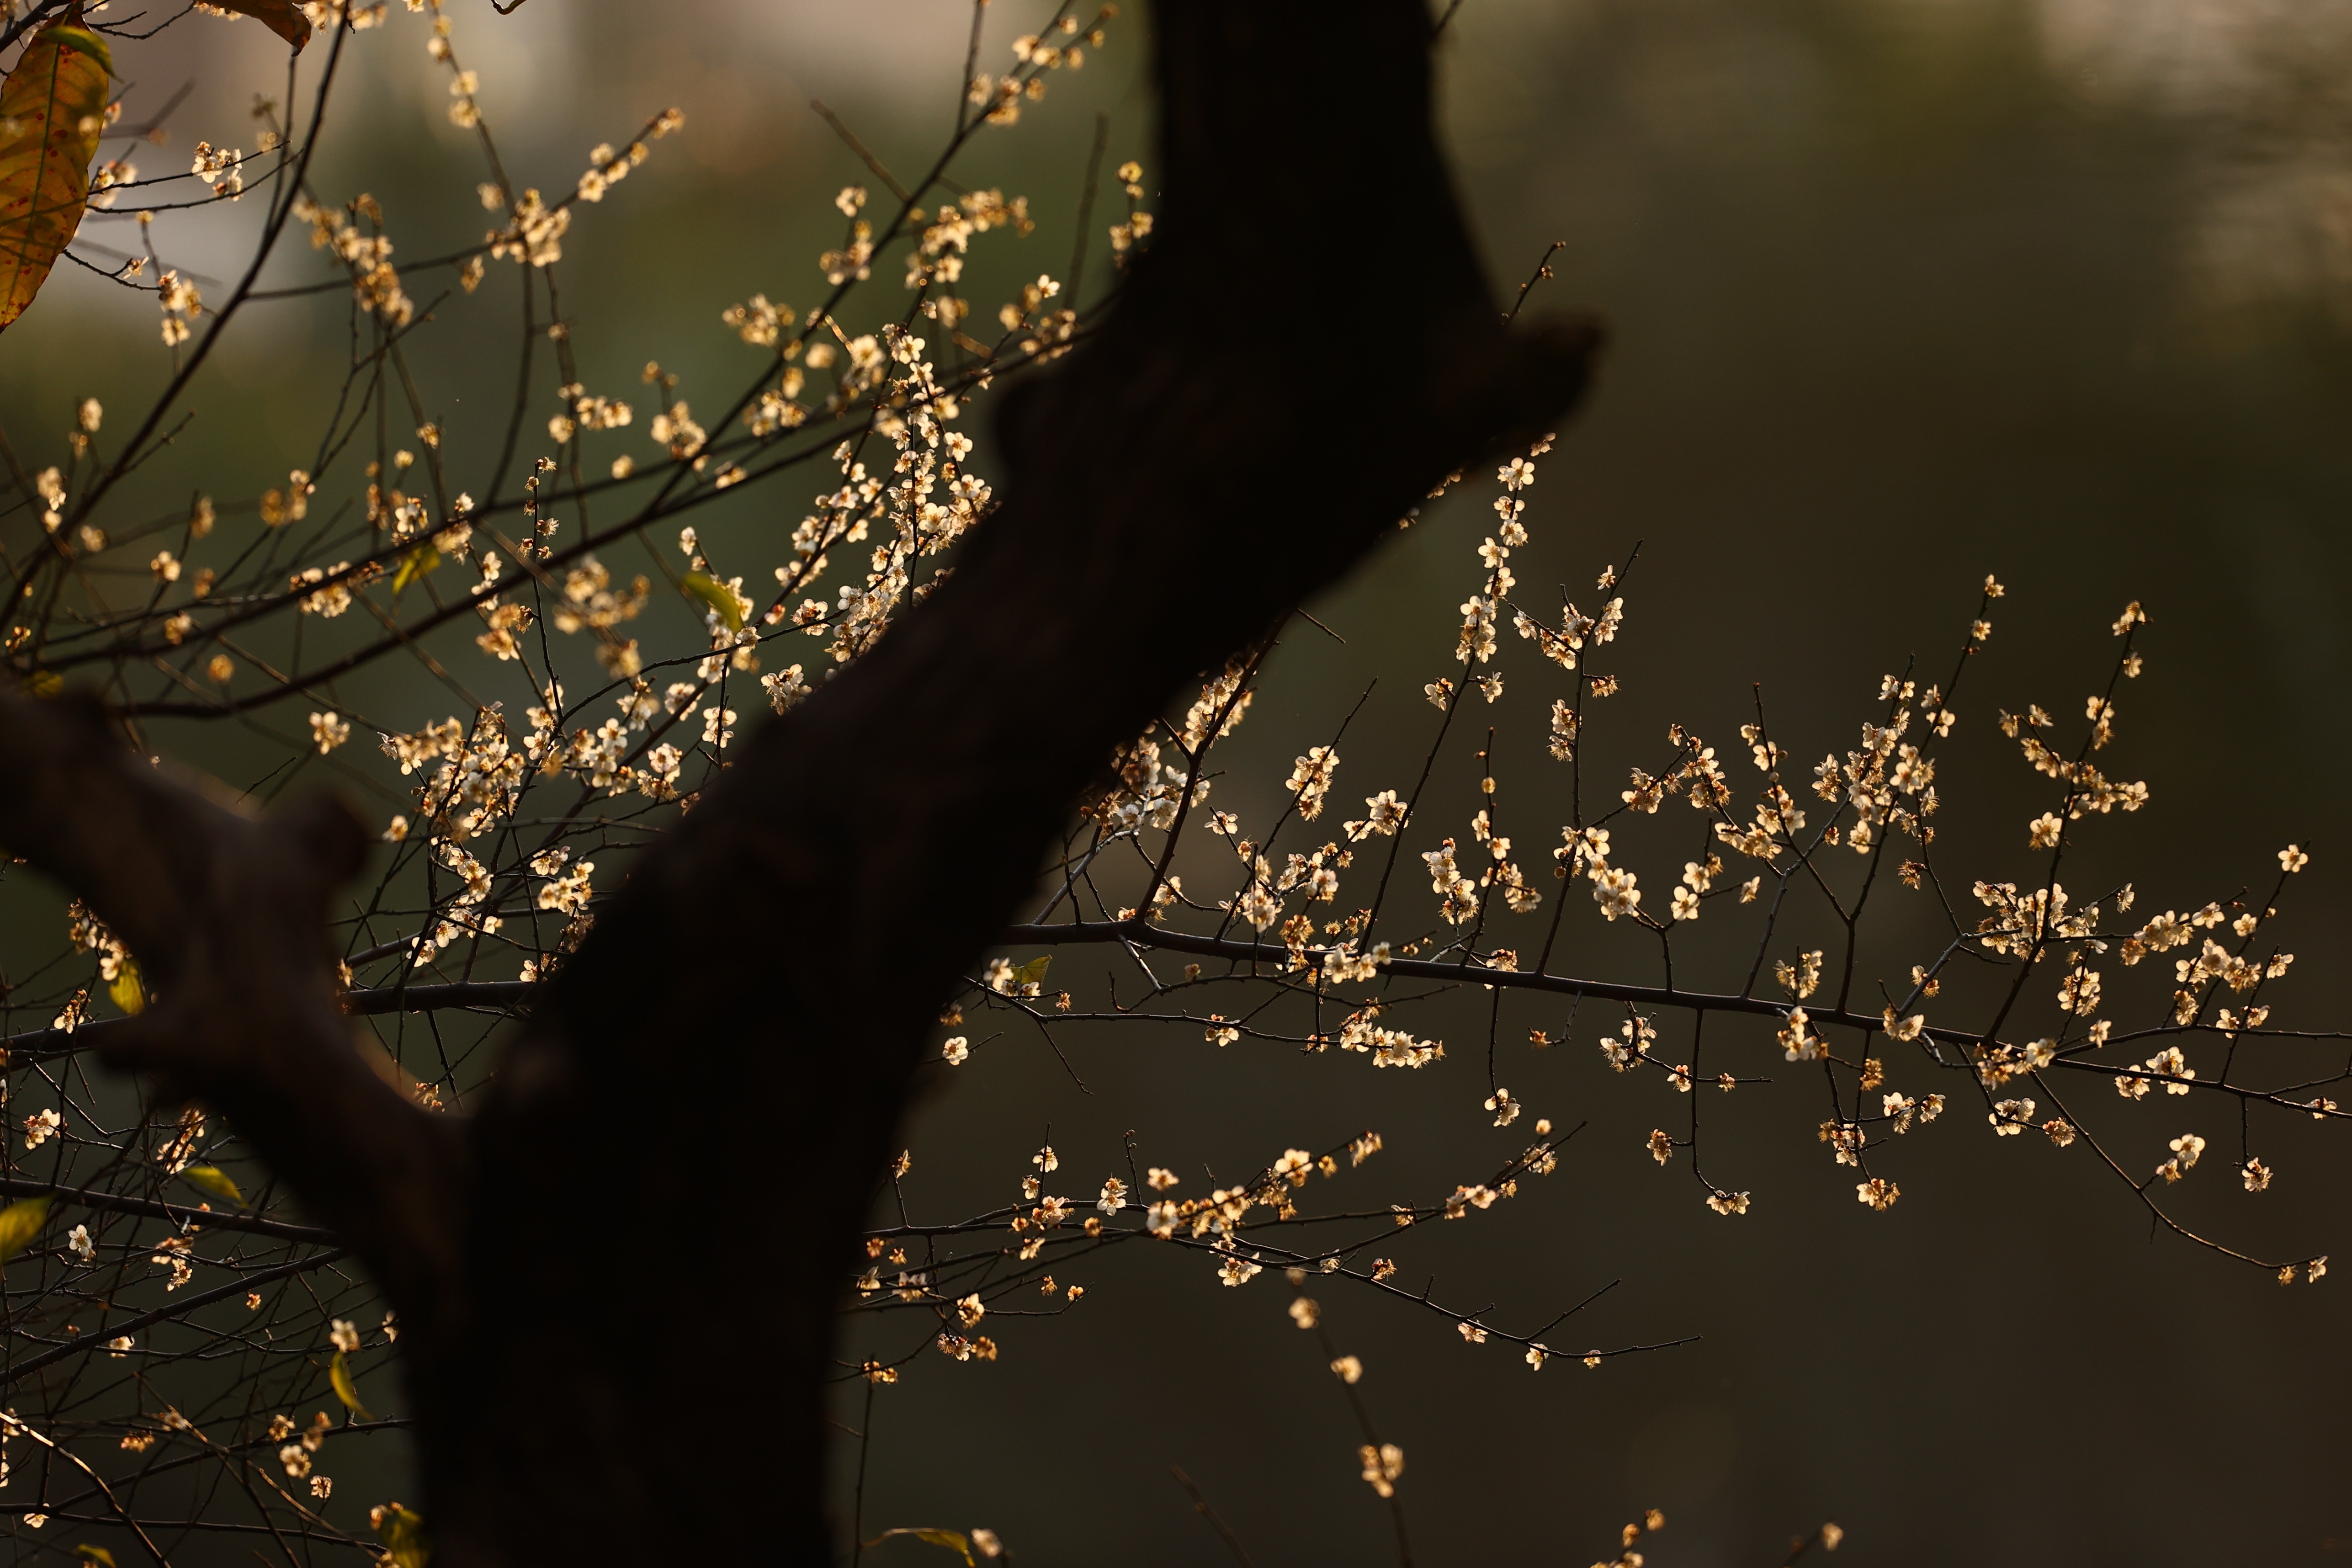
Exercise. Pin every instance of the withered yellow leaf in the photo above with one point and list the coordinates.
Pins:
(282, 17)
(52, 108)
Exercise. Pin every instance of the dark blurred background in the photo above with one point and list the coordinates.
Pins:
(1901, 292)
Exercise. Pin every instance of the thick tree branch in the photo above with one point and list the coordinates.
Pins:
(226, 918)
(1211, 457)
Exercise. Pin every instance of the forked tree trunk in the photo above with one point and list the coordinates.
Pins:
(1307, 347)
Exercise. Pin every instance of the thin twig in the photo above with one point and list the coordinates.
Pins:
(1201, 1506)
(889, 181)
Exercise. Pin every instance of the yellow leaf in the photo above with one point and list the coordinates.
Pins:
(716, 594)
(52, 108)
(282, 17)
(98, 1554)
(19, 1223)
(954, 1541)
(45, 683)
(414, 565)
(339, 1372)
(215, 1180)
(1034, 972)
(401, 1530)
(127, 994)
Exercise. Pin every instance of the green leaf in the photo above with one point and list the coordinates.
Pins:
(52, 108)
(20, 1222)
(215, 1180)
(716, 594)
(339, 1372)
(98, 1554)
(282, 17)
(127, 994)
(1034, 972)
(401, 1530)
(415, 565)
(954, 1541)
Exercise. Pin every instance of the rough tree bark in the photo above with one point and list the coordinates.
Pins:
(1307, 347)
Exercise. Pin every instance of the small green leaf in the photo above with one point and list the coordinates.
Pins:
(339, 1372)
(20, 1222)
(401, 1530)
(415, 565)
(215, 1180)
(717, 595)
(127, 994)
(954, 1541)
(98, 1554)
(1034, 972)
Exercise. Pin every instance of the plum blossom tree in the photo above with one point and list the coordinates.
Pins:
(996, 675)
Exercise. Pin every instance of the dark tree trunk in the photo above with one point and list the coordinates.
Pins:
(1307, 347)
